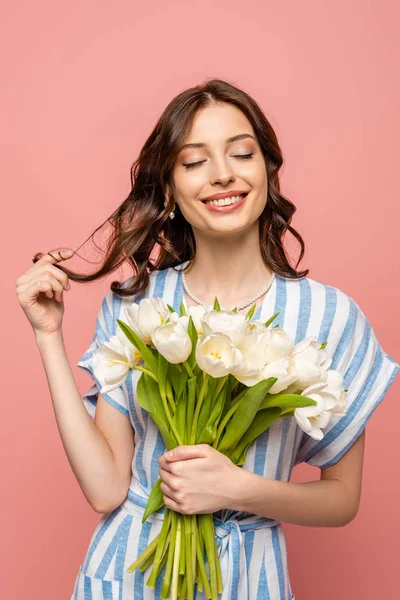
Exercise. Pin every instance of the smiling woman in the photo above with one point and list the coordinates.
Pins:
(212, 141)
(214, 158)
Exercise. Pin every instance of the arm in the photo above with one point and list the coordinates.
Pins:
(333, 501)
(101, 477)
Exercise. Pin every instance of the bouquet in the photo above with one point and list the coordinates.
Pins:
(212, 377)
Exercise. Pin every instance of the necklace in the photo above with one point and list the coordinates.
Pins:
(239, 306)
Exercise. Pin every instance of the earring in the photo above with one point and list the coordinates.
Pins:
(171, 214)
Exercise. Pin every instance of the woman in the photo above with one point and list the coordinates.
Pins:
(212, 142)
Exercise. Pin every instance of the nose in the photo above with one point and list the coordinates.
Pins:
(221, 173)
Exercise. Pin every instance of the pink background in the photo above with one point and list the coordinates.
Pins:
(82, 86)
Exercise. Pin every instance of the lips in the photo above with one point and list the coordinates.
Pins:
(242, 195)
(227, 208)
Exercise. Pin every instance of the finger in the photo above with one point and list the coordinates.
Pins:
(53, 257)
(170, 503)
(166, 466)
(186, 452)
(166, 490)
(167, 476)
(43, 271)
(30, 294)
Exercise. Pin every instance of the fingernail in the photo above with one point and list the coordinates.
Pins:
(67, 252)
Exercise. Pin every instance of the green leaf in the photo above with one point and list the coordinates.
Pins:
(143, 397)
(267, 323)
(208, 434)
(216, 304)
(170, 308)
(180, 416)
(178, 377)
(261, 422)
(250, 313)
(284, 401)
(146, 353)
(149, 398)
(192, 333)
(191, 401)
(206, 404)
(182, 309)
(155, 501)
(323, 345)
(244, 415)
(162, 371)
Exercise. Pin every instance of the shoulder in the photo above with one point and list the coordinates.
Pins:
(159, 281)
(335, 302)
(329, 313)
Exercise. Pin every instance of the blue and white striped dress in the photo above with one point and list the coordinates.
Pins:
(252, 549)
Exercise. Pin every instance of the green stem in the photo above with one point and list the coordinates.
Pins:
(220, 385)
(183, 588)
(194, 543)
(151, 582)
(170, 420)
(175, 572)
(170, 396)
(188, 548)
(207, 523)
(198, 407)
(145, 554)
(223, 423)
(218, 568)
(166, 584)
(203, 578)
(187, 367)
(145, 371)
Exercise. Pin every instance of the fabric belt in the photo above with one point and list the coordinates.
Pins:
(230, 543)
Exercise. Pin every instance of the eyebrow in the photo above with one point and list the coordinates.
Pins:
(239, 136)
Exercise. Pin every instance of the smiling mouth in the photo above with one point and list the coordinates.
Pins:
(241, 197)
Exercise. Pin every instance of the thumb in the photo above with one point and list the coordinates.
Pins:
(185, 453)
(54, 256)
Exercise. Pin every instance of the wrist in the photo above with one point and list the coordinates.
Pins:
(44, 339)
(241, 486)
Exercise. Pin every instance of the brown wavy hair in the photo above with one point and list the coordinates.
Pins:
(142, 220)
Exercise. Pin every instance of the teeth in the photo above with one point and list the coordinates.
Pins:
(224, 201)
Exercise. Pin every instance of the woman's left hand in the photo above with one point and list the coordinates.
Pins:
(199, 479)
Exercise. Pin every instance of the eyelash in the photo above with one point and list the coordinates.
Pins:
(244, 156)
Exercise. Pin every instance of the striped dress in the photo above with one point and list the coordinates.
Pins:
(252, 549)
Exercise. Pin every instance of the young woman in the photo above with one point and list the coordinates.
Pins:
(205, 188)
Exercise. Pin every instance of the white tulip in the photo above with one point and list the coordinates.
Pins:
(216, 354)
(248, 370)
(278, 345)
(197, 313)
(173, 341)
(234, 325)
(183, 320)
(312, 362)
(285, 370)
(145, 315)
(334, 385)
(113, 360)
(312, 419)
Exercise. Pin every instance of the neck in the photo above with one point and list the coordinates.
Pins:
(233, 272)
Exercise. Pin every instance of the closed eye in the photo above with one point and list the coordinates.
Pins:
(190, 165)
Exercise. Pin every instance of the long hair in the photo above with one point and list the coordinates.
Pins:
(142, 220)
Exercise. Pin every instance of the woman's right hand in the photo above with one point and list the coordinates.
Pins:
(40, 292)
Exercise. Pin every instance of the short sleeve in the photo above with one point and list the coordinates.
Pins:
(367, 372)
(105, 327)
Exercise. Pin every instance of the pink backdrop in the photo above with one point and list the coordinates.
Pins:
(82, 86)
